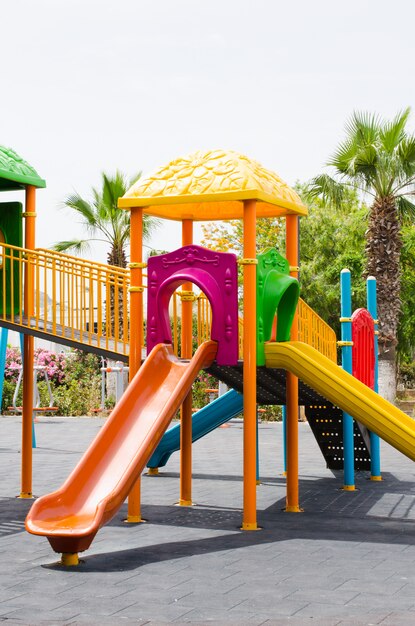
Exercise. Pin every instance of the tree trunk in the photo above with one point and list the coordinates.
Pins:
(387, 374)
(383, 248)
(116, 257)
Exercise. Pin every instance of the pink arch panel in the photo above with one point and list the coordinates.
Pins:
(215, 273)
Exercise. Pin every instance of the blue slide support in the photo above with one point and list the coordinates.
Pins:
(4, 335)
(204, 421)
(375, 473)
(346, 343)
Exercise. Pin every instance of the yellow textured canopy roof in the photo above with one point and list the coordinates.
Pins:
(212, 186)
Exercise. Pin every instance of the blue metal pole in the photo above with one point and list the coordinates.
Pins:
(346, 343)
(4, 333)
(257, 449)
(34, 445)
(284, 436)
(375, 473)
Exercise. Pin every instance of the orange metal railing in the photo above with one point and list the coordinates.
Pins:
(87, 302)
(75, 299)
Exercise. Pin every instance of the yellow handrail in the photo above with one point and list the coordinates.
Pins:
(315, 332)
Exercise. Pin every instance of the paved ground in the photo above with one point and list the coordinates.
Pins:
(348, 559)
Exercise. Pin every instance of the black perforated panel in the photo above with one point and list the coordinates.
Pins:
(326, 422)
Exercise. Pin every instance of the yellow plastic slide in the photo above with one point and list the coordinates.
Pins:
(345, 391)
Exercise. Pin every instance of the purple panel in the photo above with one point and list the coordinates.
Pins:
(215, 273)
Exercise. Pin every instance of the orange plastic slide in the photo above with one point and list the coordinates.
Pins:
(71, 516)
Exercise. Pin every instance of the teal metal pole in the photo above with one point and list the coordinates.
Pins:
(375, 473)
(4, 333)
(346, 338)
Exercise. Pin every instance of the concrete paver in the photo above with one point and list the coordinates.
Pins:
(348, 559)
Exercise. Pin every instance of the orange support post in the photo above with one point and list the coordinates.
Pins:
(28, 349)
(136, 325)
(292, 499)
(249, 372)
(186, 409)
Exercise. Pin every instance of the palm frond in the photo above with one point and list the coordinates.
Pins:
(327, 188)
(406, 155)
(150, 224)
(343, 158)
(392, 133)
(406, 209)
(363, 128)
(85, 209)
(113, 187)
(80, 246)
(133, 179)
(102, 215)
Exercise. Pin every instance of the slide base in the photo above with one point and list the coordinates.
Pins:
(250, 526)
(70, 559)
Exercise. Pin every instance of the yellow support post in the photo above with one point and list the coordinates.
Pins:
(69, 559)
(186, 408)
(28, 349)
(249, 521)
(136, 323)
(292, 498)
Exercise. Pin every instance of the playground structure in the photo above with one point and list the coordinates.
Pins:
(205, 186)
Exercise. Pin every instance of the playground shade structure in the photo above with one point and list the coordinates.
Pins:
(345, 391)
(71, 516)
(204, 421)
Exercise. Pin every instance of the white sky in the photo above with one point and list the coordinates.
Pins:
(94, 85)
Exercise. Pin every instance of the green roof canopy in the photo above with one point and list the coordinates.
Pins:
(15, 172)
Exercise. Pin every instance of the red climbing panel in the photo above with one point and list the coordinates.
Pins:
(363, 332)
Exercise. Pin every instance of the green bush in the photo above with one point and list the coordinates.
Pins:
(75, 381)
(80, 391)
(406, 375)
(273, 413)
(9, 387)
(78, 397)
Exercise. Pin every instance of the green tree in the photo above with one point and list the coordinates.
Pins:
(103, 220)
(331, 239)
(227, 236)
(377, 158)
(406, 328)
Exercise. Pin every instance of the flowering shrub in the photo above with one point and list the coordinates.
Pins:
(13, 364)
(54, 363)
(75, 380)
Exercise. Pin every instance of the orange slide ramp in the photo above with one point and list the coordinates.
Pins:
(71, 516)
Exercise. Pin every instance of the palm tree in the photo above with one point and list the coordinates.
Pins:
(377, 158)
(103, 220)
